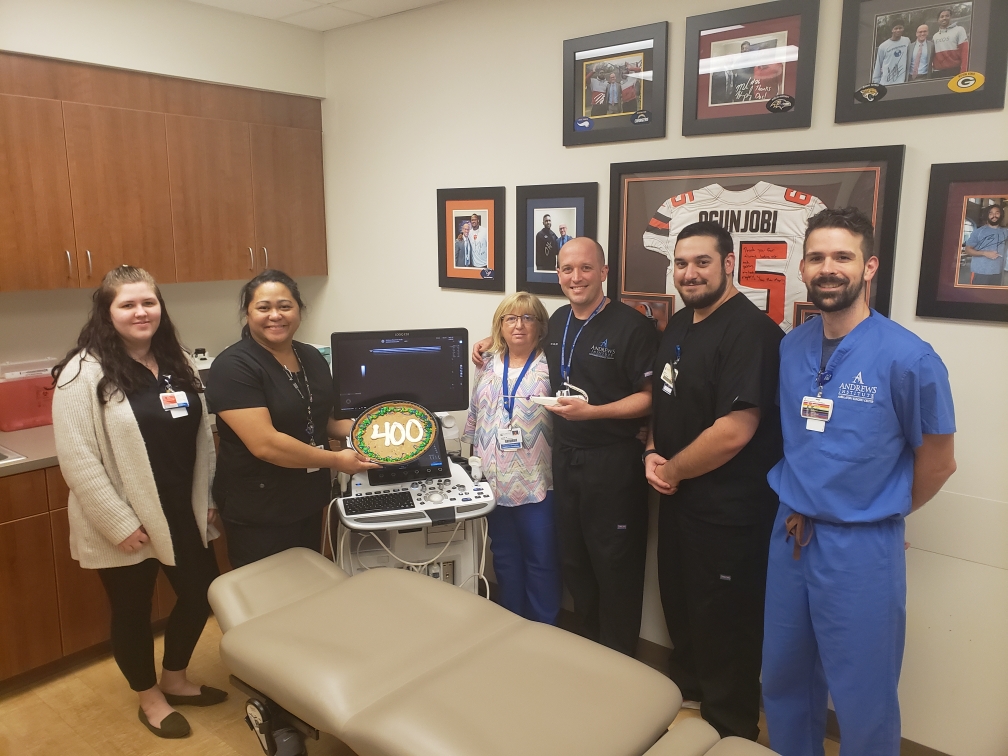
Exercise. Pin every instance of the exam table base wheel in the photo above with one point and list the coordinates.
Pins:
(275, 739)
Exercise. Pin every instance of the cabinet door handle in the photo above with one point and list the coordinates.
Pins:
(251, 259)
(88, 263)
(266, 257)
(69, 265)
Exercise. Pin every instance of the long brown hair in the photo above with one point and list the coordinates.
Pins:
(99, 339)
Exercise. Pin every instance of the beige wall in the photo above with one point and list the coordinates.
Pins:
(170, 37)
(468, 94)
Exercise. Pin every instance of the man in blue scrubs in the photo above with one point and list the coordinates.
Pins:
(867, 418)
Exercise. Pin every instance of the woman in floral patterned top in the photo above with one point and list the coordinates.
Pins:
(513, 436)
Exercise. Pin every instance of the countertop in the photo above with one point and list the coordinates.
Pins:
(36, 444)
(39, 448)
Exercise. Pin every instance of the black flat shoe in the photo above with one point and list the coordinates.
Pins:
(207, 697)
(172, 726)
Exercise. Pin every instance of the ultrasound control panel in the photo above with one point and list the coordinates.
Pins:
(431, 501)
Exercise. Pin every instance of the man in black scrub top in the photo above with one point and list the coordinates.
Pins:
(715, 435)
(607, 350)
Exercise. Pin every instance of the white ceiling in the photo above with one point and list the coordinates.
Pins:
(319, 15)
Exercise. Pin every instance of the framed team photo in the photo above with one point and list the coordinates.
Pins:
(549, 216)
(765, 202)
(750, 69)
(901, 58)
(963, 264)
(614, 85)
(471, 238)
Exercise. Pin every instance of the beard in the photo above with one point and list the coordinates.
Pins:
(701, 300)
(837, 299)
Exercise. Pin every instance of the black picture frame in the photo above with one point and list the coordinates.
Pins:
(945, 289)
(767, 268)
(799, 116)
(857, 46)
(458, 203)
(580, 199)
(648, 122)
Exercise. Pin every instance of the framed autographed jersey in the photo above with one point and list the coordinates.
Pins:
(765, 202)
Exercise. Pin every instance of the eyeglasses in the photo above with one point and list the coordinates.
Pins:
(512, 320)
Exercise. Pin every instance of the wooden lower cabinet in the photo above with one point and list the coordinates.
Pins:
(83, 606)
(29, 615)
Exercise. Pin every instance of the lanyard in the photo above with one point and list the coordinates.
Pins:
(565, 367)
(822, 378)
(310, 425)
(167, 383)
(509, 398)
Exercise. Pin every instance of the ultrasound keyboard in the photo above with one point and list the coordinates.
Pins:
(380, 502)
(419, 502)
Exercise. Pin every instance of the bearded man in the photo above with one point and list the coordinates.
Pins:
(868, 426)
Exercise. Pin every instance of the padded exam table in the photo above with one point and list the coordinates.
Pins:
(394, 663)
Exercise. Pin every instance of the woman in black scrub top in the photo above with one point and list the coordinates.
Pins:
(273, 397)
(134, 444)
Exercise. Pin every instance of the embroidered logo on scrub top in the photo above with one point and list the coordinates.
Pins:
(857, 391)
(603, 351)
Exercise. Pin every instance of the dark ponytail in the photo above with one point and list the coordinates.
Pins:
(267, 276)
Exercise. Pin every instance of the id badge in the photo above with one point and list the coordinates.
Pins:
(817, 412)
(175, 402)
(315, 469)
(668, 376)
(509, 439)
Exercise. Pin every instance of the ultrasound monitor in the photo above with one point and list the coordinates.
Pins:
(427, 366)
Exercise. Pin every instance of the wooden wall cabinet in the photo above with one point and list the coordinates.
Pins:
(37, 248)
(29, 616)
(118, 162)
(210, 164)
(289, 200)
(192, 181)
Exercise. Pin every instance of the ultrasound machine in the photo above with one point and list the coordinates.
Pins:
(419, 515)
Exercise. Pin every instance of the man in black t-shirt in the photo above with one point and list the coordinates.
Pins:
(715, 435)
(606, 349)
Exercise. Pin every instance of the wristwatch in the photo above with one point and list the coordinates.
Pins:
(644, 456)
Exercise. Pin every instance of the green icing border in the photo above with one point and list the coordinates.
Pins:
(363, 424)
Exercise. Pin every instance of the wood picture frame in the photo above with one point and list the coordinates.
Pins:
(629, 59)
(479, 262)
(953, 283)
(865, 55)
(550, 208)
(750, 69)
(765, 201)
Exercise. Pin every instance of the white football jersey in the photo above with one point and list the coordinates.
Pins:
(768, 225)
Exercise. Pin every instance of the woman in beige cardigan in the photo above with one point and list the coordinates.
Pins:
(135, 447)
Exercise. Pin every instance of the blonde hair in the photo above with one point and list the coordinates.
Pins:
(519, 303)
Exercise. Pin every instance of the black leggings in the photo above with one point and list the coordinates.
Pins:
(130, 590)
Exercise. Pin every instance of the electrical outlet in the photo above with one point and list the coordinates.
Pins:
(448, 572)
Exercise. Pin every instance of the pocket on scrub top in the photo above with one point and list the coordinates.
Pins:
(853, 433)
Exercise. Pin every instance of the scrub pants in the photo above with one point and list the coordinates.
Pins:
(712, 580)
(526, 560)
(602, 517)
(836, 621)
(249, 543)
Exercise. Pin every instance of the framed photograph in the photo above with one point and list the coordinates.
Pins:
(655, 308)
(550, 215)
(901, 58)
(963, 264)
(750, 69)
(765, 201)
(614, 85)
(471, 238)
